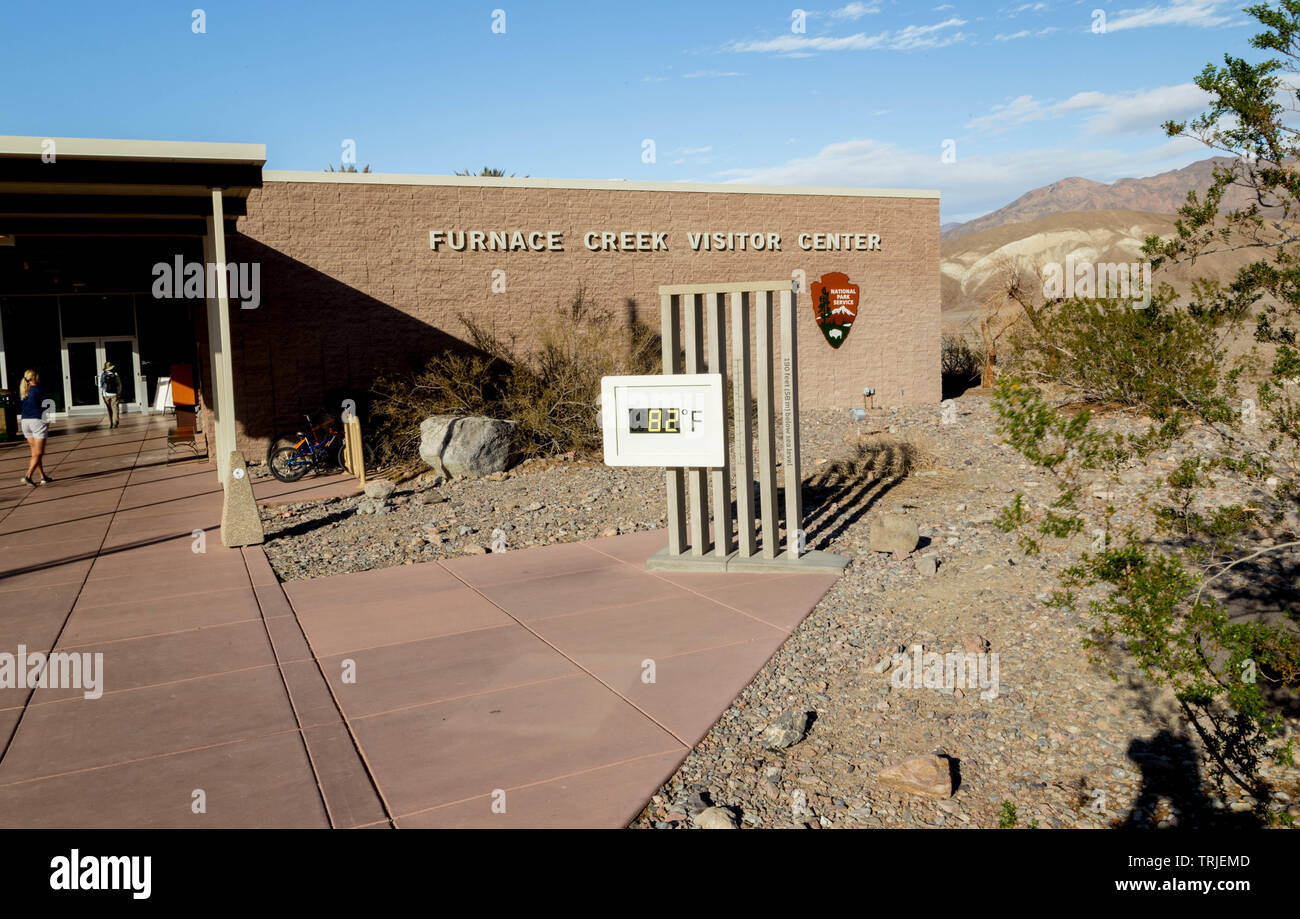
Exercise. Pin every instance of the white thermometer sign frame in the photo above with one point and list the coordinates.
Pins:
(699, 440)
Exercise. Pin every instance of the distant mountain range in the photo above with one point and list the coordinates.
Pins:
(1092, 221)
(1158, 194)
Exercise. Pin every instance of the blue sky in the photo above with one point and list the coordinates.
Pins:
(866, 95)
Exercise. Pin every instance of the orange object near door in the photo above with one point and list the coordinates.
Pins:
(183, 385)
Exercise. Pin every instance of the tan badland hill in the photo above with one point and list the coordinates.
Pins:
(972, 264)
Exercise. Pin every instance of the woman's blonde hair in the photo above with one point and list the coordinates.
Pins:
(29, 380)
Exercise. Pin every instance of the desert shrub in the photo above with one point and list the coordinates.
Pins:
(549, 384)
(960, 364)
(1159, 359)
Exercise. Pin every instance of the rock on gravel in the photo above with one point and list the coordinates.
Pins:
(922, 775)
(473, 446)
(787, 730)
(380, 489)
(717, 818)
(891, 533)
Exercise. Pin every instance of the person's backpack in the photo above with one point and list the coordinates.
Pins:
(109, 383)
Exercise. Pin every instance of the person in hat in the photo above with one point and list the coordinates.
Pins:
(110, 387)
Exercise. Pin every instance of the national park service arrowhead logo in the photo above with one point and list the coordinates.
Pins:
(835, 305)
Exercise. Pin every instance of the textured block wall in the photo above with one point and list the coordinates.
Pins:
(350, 286)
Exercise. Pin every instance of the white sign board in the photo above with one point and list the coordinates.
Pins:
(162, 398)
(673, 420)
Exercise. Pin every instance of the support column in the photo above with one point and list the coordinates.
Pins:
(214, 343)
(219, 346)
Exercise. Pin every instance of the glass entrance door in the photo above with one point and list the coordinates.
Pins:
(83, 362)
(79, 375)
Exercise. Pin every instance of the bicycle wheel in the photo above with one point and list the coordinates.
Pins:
(295, 440)
(289, 464)
(341, 457)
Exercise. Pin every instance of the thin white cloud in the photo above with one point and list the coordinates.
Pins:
(910, 38)
(974, 184)
(1203, 14)
(1104, 114)
(711, 73)
(801, 43)
(1026, 33)
(1010, 114)
(914, 37)
(856, 11)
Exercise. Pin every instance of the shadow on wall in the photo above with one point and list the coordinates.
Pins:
(312, 342)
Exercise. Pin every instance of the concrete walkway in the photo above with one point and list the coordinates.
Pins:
(565, 683)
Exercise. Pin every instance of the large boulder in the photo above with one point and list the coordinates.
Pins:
(891, 533)
(472, 446)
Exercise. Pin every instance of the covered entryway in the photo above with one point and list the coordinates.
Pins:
(84, 226)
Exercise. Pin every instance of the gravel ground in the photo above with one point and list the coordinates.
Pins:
(1061, 740)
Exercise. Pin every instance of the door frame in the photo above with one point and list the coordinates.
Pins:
(98, 341)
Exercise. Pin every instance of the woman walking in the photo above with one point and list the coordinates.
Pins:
(33, 425)
(110, 388)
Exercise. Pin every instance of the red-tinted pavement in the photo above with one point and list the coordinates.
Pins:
(555, 686)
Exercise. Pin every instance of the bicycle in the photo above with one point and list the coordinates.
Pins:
(320, 447)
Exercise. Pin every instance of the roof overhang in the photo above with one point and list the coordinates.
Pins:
(727, 188)
(70, 186)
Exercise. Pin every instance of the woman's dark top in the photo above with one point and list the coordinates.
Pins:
(32, 403)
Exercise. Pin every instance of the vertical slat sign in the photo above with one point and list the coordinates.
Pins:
(677, 420)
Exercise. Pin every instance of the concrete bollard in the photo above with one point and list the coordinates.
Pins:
(241, 525)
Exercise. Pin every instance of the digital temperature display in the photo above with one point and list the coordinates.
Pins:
(687, 406)
(654, 421)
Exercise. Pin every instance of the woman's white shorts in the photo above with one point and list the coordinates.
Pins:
(35, 428)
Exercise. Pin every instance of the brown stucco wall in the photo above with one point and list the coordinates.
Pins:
(350, 286)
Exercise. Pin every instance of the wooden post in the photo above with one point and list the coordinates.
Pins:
(790, 423)
(716, 320)
(352, 449)
(669, 313)
(766, 433)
